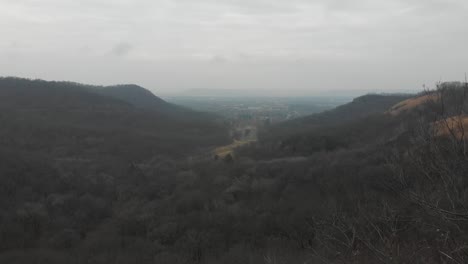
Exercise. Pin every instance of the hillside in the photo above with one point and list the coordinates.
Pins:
(135, 95)
(356, 184)
(360, 121)
(360, 107)
(412, 103)
(73, 120)
(372, 188)
(144, 99)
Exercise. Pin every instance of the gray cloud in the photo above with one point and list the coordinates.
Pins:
(294, 45)
(122, 49)
(219, 59)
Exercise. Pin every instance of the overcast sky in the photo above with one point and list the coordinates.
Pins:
(280, 46)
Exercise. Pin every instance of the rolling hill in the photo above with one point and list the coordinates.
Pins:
(144, 99)
(91, 175)
(66, 119)
(362, 120)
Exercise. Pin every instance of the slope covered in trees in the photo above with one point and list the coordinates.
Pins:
(393, 191)
(68, 121)
(361, 107)
(360, 121)
(144, 99)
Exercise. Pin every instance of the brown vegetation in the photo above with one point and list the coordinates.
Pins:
(455, 126)
(412, 103)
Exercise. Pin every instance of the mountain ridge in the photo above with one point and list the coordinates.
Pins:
(87, 122)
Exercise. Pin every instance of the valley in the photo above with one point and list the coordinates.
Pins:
(233, 132)
(118, 175)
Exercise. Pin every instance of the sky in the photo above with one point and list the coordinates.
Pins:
(276, 47)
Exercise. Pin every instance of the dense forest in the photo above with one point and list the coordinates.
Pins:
(116, 175)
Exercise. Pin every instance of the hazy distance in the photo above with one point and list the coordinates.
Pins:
(277, 47)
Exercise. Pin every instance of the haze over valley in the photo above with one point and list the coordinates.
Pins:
(233, 132)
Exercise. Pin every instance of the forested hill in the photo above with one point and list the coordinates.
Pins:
(386, 184)
(361, 120)
(360, 107)
(67, 119)
(144, 99)
(136, 95)
(132, 94)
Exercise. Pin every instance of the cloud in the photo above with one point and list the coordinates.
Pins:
(218, 59)
(122, 49)
(196, 36)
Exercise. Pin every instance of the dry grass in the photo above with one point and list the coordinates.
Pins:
(412, 103)
(456, 126)
(229, 149)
